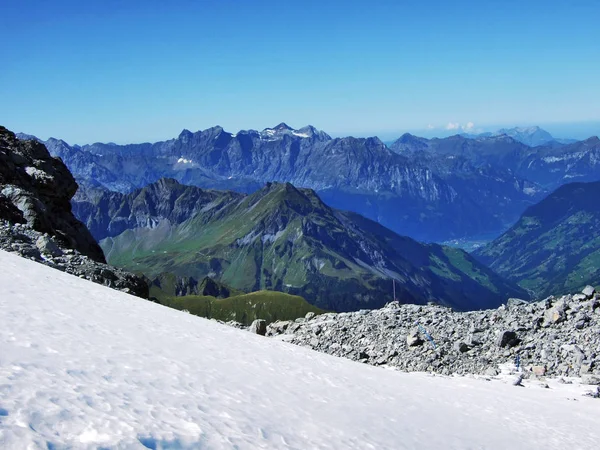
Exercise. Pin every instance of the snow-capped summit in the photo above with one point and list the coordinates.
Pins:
(283, 127)
(285, 130)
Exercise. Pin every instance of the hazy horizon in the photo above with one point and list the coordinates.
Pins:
(576, 130)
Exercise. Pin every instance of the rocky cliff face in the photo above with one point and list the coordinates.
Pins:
(36, 219)
(36, 189)
(555, 337)
(108, 214)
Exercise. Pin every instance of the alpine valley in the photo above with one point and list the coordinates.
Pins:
(285, 239)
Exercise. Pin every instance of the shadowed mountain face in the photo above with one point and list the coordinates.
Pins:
(283, 238)
(401, 192)
(554, 248)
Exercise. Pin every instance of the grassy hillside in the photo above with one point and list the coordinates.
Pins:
(286, 239)
(554, 248)
(267, 305)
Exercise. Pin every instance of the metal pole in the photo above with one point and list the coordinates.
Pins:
(394, 283)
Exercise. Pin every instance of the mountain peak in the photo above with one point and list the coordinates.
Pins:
(283, 127)
(164, 182)
(299, 199)
(185, 134)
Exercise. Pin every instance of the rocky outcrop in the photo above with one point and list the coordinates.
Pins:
(45, 249)
(554, 337)
(36, 189)
(36, 221)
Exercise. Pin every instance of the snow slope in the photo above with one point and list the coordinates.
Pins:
(83, 366)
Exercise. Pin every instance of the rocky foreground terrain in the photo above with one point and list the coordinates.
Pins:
(42, 248)
(36, 220)
(553, 337)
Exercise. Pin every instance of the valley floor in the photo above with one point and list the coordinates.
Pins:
(82, 366)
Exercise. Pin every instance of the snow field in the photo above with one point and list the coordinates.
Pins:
(84, 366)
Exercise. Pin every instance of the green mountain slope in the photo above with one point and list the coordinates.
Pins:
(286, 239)
(554, 248)
(244, 308)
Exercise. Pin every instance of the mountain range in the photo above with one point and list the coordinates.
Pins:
(531, 136)
(543, 168)
(431, 190)
(554, 248)
(282, 238)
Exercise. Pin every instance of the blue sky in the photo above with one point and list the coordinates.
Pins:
(131, 71)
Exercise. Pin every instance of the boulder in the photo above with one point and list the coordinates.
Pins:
(414, 338)
(591, 379)
(555, 314)
(258, 326)
(47, 246)
(517, 381)
(539, 371)
(588, 291)
(461, 347)
(507, 338)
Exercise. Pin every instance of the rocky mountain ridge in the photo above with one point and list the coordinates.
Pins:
(285, 239)
(533, 136)
(544, 167)
(554, 337)
(358, 174)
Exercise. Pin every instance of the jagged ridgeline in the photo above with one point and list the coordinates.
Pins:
(285, 239)
(430, 189)
(554, 248)
(423, 199)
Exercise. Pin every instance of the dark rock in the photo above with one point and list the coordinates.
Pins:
(259, 326)
(507, 339)
(461, 347)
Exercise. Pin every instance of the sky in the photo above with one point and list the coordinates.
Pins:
(133, 71)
